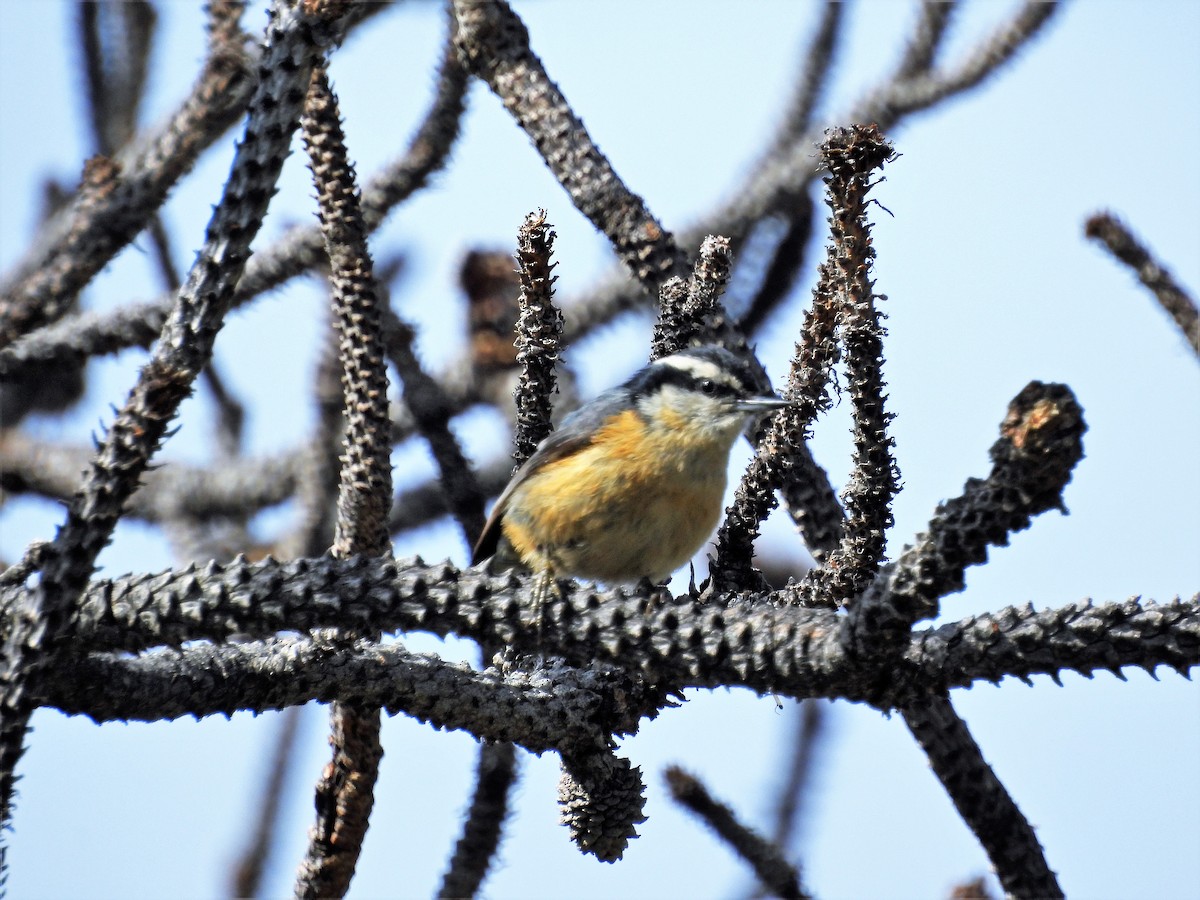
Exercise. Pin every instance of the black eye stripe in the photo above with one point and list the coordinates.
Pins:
(656, 377)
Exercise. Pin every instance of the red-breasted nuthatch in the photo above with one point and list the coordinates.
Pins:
(631, 484)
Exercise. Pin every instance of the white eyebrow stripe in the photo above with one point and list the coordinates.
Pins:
(698, 368)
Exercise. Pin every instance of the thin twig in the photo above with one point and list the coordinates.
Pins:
(1110, 231)
(248, 872)
(765, 858)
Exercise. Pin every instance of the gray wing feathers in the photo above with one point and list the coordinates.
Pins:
(575, 432)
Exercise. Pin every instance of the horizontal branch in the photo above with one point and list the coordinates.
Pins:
(549, 708)
(672, 642)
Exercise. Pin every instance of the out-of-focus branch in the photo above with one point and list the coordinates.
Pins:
(781, 179)
(495, 775)
(789, 811)
(116, 41)
(783, 272)
(247, 873)
(1112, 233)
(90, 334)
(119, 196)
(766, 859)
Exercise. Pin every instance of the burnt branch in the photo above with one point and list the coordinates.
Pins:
(345, 793)
(118, 196)
(766, 859)
(293, 43)
(853, 155)
(768, 646)
(539, 331)
(691, 312)
(494, 45)
(843, 297)
(1120, 242)
(1041, 440)
(88, 334)
(981, 799)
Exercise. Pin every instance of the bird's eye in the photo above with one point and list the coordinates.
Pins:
(707, 386)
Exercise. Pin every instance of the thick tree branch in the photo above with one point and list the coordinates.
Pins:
(293, 43)
(981, 799)
(494, 44)
(769, 648)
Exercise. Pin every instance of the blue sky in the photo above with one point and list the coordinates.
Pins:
(990, 284)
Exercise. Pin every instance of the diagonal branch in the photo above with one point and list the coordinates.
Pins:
(1041, 440)
(981, 799)
(119, 196)
(93, 333)
(765, 858)
(1109, 230)
(494, 44)
(294, 40)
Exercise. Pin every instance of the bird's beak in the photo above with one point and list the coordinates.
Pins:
(760, 404)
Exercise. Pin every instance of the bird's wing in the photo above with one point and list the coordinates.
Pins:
(576, 432)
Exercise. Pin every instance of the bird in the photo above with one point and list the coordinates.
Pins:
(631, 484)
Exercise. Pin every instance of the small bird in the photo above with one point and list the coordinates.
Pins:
(631, 484)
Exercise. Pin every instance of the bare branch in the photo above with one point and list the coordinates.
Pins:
(345, 792)
(494, 44)
(766, 859)
(791, 806)
(1041, 440)
(495, 775)
(692, 313)
(980, 798)
(119, 196)
(767, 646)
(853, 155)
(89, 334)
(294, 41)
(843, 294)
(539, 331)
(247, 873)
(1109, 230)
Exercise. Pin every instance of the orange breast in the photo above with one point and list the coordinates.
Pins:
(632, 504)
